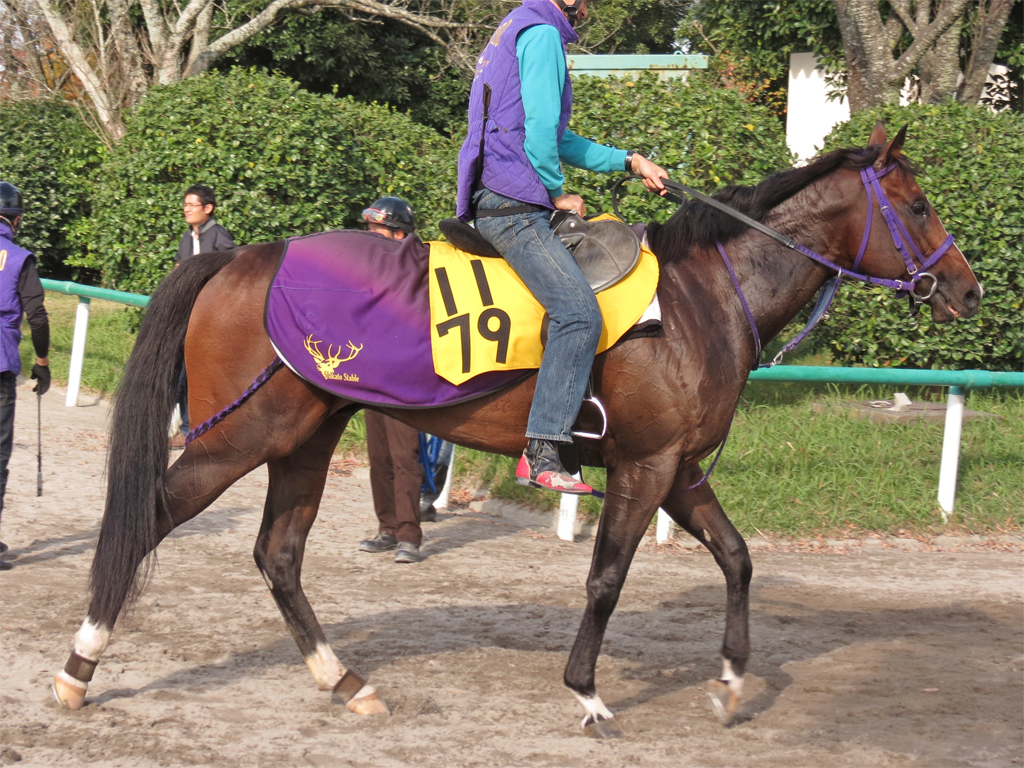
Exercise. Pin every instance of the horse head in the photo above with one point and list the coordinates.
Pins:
(908, 241)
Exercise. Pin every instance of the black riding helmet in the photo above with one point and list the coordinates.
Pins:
(391, 212)
(10, 202)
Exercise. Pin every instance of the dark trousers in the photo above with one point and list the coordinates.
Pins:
(8, 396)
(395, 476)
(182, 397)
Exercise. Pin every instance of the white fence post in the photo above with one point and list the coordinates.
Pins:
(567, 506)
(951, 451)
(78, 351)
(664, 526)
(441, 502)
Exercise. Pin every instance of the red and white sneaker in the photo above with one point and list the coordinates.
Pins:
(540, 467)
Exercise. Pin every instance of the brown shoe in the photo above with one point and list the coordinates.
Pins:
(178, 441)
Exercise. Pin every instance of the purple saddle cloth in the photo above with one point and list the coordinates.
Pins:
(349, 311)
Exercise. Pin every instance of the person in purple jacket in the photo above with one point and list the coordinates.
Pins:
(21, 294)
(510, 181)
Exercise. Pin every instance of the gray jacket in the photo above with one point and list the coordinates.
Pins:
(212, 237)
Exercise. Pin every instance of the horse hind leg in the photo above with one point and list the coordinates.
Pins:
(293, 499)
(698, 512)
(192, 483)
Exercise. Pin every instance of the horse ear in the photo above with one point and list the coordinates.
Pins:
(893, 150)
(878, 134)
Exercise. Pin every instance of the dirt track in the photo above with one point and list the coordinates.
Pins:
(861, 658)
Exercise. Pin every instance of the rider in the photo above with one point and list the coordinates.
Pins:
(510, 181)
(393, 447)
(21, 293)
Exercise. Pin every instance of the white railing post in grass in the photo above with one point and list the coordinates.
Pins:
(951, 451)
(78, 351)
(441, 502)
(567, 506)
(664, 526)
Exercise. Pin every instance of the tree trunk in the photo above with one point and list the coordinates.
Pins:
(992, 18)
(876, 74)
(868, 54)
(940, 67)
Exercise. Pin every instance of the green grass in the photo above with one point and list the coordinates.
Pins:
(785, 470)
(107, 346)
(788, 471)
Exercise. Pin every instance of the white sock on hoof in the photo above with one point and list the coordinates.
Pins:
(91, 640)
(327, 670)
(595, 709)
(731, 679)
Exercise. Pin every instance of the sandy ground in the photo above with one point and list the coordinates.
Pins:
(862, 657)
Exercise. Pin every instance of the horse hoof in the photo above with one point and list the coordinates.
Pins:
(604, 729)
(371, 704)
(725, 703)
(68, 696)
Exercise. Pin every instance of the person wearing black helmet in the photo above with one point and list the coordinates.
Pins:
(393, 447)
(21, 293)
(510, 181)
(391, 217)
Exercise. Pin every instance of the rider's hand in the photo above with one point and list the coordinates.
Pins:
(41, 373)
(571, 203)
(651, 173)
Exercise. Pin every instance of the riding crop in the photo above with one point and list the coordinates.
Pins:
(39, 444)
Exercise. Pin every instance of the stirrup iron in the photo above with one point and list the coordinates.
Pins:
(604, 419)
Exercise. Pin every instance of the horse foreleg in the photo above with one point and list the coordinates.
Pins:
(293, 499)
(631, 499)
(697, 511)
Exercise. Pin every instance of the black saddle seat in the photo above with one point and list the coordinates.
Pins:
(606, 251)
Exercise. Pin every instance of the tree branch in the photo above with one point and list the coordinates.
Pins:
(949, 12)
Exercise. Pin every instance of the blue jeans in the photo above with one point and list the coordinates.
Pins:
(541, 261)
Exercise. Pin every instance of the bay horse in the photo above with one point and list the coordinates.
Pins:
(669, 402)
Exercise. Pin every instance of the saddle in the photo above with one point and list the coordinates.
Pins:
(605, 249)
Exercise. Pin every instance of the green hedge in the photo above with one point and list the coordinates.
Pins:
(50, 155)
(972, 173)
(704, 137)
(282, 161)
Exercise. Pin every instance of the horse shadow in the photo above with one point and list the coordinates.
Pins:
(84, 541)
(668, 649)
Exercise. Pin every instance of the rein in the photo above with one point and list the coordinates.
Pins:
(900, 237)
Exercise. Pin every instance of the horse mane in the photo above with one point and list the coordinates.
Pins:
(698, 225)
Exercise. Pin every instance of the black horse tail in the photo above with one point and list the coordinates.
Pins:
(138, 451)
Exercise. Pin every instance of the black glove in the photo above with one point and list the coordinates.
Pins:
(42, 375)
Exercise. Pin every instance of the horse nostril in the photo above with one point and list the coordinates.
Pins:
(971, 299)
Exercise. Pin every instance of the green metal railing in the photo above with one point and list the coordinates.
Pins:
(957, 382)
(90, 292)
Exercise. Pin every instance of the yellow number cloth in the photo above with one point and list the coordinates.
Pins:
(483, 318)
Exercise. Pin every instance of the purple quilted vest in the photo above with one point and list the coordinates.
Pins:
(507, 169)
(12, 258)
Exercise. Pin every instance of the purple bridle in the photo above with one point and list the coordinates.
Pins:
(900, 238)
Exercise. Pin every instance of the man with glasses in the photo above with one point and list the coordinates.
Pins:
(204, 235)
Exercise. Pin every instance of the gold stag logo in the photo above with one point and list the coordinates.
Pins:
(326, 364)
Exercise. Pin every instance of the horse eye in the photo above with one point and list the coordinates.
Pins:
(919, 208)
